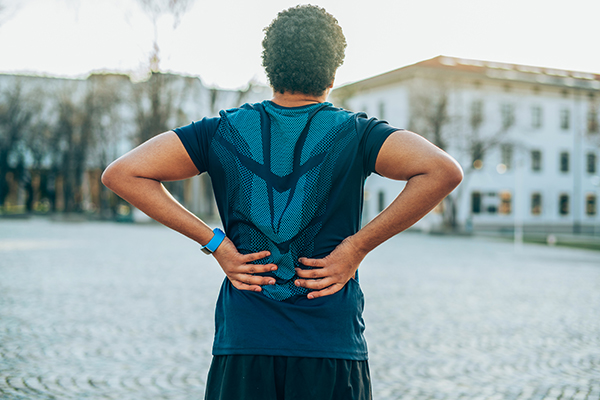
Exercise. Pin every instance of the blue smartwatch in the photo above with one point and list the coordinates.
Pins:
(214, 243)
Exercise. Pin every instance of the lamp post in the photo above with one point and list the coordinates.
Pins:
(519, 202)
(596, 182)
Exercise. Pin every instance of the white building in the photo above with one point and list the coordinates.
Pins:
(528, 139)
(120, 112)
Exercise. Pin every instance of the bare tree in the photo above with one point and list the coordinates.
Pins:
(158, 104)
(153, 102)
(430, 115)
(108, 127)
(157, 8)
(66, 140)
(212, 100)
(36, 141)
(153, 99)
(81, 125)
(16, 112)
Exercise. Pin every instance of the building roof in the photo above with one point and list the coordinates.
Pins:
(487, 70)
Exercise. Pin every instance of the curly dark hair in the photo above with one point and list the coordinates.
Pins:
(302, 49)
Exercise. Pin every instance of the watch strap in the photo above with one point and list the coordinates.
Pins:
(214, 243)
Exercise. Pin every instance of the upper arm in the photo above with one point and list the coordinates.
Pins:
(162, 158)
(405, 154)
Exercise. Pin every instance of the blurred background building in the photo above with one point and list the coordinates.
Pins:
(527, 137)
(57, 136)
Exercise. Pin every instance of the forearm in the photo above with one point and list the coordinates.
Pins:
(420, 195)
(151, 197)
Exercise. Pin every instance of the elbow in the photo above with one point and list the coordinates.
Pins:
(455, 175)
(450, 174)
(445, 174)
(109, 176)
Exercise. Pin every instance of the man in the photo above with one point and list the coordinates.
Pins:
(288, 176)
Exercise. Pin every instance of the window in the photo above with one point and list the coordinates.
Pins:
(476, 202)
(491, 206)
(505, 203)
(536, 160)
(564, 162)
(592, 121)
(508, 115)
(563, 204)
(506, 151)
(565, 117)
(492, 203)
(536, 117)
(381, 200)
(591, 163)
(476, 113)
(590, 204)
(536, 204)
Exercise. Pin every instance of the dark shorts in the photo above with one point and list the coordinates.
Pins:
(241, 377)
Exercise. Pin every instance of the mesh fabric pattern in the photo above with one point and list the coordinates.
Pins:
(279, 166)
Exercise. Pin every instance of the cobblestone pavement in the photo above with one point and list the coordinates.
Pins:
(120, 311)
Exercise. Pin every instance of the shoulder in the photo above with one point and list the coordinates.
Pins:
(243, 112)
(241, 109)
(338, 118)
(363, 122)
(208, 123)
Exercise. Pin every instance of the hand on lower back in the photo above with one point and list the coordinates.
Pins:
(331, 273)
(238, 269)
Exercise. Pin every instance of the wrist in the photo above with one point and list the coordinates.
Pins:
(214, 243)
(358, 247)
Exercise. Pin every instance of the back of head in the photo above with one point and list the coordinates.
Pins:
(302, 49)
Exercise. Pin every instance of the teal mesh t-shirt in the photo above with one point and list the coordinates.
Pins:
(288, 180)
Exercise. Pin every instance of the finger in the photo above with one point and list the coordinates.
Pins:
(243, 286)
(326, 292)
(315, 284)
(312, 262)
(255, 256)
(254, 280)
(255, 268)
(311, 273)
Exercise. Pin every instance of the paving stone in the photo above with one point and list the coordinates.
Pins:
(124, 311)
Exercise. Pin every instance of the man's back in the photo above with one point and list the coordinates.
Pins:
(288, 180)
(289, 192)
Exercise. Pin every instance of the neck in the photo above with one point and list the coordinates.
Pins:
(288, 99)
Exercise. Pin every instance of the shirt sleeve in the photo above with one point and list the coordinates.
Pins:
(374, 134)
(195, 137)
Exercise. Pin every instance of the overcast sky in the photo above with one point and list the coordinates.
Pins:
(220, 41)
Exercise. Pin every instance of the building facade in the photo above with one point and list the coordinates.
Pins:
(528, 139)
(57, 135)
